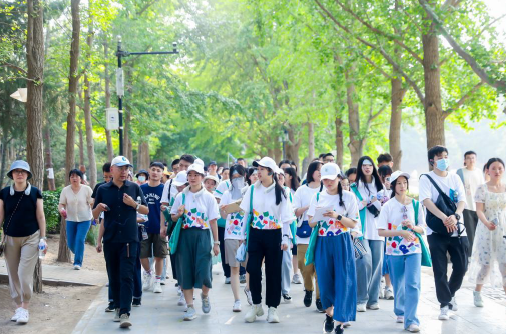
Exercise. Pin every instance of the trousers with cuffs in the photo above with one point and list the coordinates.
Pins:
(137, 294)
(265, 244)
(286, 271)
(439, 247)
(308, 272)
(120, 262)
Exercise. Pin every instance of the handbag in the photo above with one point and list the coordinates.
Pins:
(242, 251)
(309, 258)
(4, 236)
(426, 258)
(361, 212)
(174, 238)
(359, 248)
(304, 230)
(445, 204)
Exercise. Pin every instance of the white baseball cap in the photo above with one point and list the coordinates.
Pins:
(330, 171)
(196, 167)
(199, 161)
(212, 177)
(266, 162)
(120, 161)
(180, 179)
(395, 175)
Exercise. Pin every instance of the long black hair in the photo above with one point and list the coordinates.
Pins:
(251, 171)
(280, 191)
(340, 192)
(313, 167)
(294, 184)
(239, 169)
(361, 175)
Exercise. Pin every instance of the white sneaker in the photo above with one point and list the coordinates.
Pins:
(400, 319)
(206, 304)
(179, 291)
(254, 312)
(296, 279)
(455, 307)
(157, 288)
(361, 308)
(181, 301)
(16, 314)
(228, 280)
(272, 315)
(413, 328)
(249, 298)
(478, 301)
(189, 314)
(346, 324)
(23, 316)
(147, 281)
(445, 313)
(388, 293)
(77, 267)
(237, 306)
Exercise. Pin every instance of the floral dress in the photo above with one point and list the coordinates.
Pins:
(489, 249)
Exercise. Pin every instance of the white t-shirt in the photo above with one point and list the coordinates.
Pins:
(384, 195)
(371, 230)
(221, 188)
(451, 185)
(77, 205)
(266, 214)
(199, 208)
(391, 217)
(330, 227)
(302, 198)
(166, 197)
(472, 180)
(233, 227)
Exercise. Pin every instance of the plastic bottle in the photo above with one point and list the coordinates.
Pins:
(42, 247)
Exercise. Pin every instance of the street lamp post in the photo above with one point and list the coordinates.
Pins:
(120, 82)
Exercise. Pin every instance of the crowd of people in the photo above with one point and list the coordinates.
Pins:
(350, 237)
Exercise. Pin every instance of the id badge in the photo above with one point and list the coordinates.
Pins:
(144, 234)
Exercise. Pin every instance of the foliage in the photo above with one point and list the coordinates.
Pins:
(53, 218)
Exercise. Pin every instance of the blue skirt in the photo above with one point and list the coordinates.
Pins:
(337, 278)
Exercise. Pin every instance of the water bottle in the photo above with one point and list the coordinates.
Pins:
(42, 247)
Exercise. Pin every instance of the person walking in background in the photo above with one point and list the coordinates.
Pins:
(383, 196)
(351, 174)
(472, 178)
(385, 159)
(84, 178)
(75, 207)
(489, 253)
(292, 183)
(142, 176)
(24, 235)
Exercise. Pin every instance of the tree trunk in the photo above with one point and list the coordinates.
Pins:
(310, 141)
(339, 140)
(34, 104)
(49, 160)
(107, 79)
(293, 145)
(278, 151)
(81, 143)
(143, 159)
(127, 143)
(355, 144)
(394, 135)
(3, 152)
(434, 117)
(90, 146)
(63, 251)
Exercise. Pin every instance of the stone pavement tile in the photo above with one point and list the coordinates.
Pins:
(160, 314)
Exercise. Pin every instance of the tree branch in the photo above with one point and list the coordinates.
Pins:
(370, 61)
(14, 67)
(484, 76)
(485, 28)
(463, 99)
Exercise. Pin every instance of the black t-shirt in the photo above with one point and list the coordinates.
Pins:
(120, 222)
(24, 221)
(94, 194)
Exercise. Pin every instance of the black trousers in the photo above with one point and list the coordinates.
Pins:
(120, 263)
(265, 244)
(470, 222)
(457, 248)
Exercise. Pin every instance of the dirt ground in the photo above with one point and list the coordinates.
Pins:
(57, 309)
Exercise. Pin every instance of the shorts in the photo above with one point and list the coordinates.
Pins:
(231, 247)
(154, 245)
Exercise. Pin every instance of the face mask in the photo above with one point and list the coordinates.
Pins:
(442, 164)
(237, 184)
(141, 178)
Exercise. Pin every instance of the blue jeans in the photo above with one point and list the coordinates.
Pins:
(76, 234)
(285, 272)
(405, 272)
(369, 272)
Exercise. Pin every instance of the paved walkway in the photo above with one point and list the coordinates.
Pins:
(64, 275)
(160, 314)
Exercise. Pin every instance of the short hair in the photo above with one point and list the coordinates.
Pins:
(350, 171)
(321, 156)
(384, 170)
(385, 157)
(436, 150)
(241, 159)
(469, 153)
(313, 167)
(187, 158)
(76, 172)
(106, 168)
(328, 155)
(286, 161)
(174, 162)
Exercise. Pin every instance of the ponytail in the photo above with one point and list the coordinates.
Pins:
(278, 189)
(340, 192)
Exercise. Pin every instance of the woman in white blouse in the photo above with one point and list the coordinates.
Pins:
(269, 235)
(75, 208)
(194, 262)
(399, 219)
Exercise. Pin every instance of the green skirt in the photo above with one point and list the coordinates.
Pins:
(194, 263)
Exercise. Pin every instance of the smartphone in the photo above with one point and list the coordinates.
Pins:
(107, 208)
(495, 221)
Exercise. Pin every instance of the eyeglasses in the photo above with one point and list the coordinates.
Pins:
(19, 171)
(404, 211)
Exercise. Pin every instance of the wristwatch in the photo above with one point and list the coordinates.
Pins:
(43, 238)
(339, 218)
(137, 207)
(457, 216)
(217, 243)
(286, 235)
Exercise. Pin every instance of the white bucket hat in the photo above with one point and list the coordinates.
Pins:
(180, 179)
(212, 177)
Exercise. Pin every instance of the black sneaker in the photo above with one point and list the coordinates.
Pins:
(328, 324)
(339, 329)
(287, 298)
(136, 302)
(319, 305)
(110, 308)
(308, 298)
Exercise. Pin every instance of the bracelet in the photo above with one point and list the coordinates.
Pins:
(43, 238)
(217, 243)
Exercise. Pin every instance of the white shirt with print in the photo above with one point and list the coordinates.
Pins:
(221, 188)
(233, 227)
(200, 208)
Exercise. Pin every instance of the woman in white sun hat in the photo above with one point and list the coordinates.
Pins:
(399, 220)
(267, 223)
(334, 255)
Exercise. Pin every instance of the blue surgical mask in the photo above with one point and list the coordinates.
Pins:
(141, 178)
(443, 164)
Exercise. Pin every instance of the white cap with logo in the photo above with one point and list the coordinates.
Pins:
(120, 161)
(196, 167)
(330, 171)
(395, 175)
(266, 162)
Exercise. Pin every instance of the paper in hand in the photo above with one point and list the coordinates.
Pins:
(319, 211)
